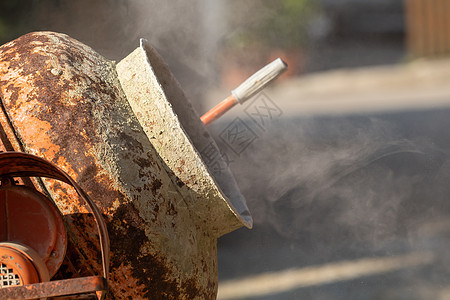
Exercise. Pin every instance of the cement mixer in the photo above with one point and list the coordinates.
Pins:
(118, 144)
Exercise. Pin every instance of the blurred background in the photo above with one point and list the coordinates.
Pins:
(348, 169)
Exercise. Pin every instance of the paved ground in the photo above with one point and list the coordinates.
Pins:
(347, 177)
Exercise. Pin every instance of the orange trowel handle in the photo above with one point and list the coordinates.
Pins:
(219, 110)
(247, 89)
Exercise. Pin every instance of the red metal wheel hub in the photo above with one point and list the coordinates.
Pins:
(29, 218)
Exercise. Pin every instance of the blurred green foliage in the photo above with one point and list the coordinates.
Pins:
(280, 23)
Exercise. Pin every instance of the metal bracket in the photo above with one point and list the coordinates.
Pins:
(66, 287)
(19, 164)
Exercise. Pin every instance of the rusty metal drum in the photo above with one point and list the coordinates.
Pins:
(127, 134)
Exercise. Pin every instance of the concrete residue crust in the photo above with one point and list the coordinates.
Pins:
(179, 136)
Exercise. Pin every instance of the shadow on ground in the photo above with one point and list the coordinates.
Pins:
(325, 190)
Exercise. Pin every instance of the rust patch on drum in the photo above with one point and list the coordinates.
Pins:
(65, 104)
